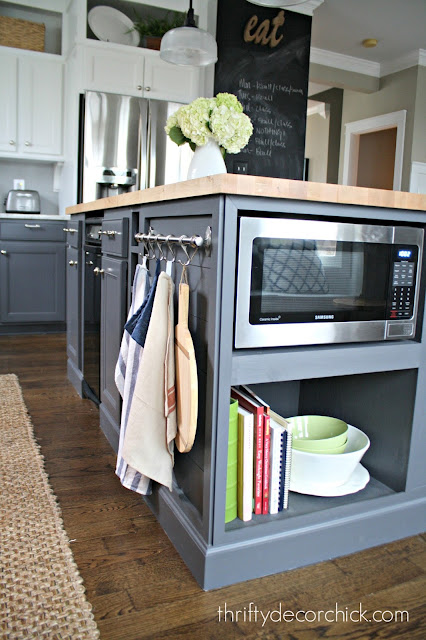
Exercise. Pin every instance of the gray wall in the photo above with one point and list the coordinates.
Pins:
(37, 175)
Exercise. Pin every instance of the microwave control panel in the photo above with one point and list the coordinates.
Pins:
(403, 282)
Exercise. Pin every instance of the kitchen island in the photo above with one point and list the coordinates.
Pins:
(377, 386)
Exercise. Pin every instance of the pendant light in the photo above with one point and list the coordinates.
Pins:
(189, 45)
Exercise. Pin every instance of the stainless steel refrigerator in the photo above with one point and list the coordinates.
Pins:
(123, 145)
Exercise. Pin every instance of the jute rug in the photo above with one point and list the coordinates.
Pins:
(41, 592)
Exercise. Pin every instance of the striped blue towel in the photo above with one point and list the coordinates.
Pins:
(128, 366)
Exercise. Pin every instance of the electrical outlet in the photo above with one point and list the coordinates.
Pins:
(241, 167)
(19, 183)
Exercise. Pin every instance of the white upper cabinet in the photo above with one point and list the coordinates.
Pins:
(137, 72)
(31, 104)
(8, 103)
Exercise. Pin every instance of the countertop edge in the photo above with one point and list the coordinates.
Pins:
(33, 216)
(259, 186)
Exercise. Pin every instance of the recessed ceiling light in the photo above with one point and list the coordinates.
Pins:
(369, 43)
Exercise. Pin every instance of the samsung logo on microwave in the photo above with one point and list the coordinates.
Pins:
(325, 317)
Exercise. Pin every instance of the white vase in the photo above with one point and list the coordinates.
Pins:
(206, 161)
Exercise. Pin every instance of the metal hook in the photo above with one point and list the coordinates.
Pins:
(160, 248)
(169, 247)
(150, 249)
(185, 252)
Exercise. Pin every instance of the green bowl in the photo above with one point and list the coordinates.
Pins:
(328, 451)
(318, 433)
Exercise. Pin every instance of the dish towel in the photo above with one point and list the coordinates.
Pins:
(127, 367)
(148, 441)
(140, 290)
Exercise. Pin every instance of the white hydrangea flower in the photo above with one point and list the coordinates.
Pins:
(231, 129)
(193, 119)
(220, 118)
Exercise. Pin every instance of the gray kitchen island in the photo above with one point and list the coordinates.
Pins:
(378, 386)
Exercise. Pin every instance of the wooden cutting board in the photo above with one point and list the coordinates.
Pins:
(186, 376)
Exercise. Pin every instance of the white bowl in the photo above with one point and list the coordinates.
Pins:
(329, 470)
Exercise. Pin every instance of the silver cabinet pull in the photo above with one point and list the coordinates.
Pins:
(32, 226)
(3, 252)
(71, 230)
(108, 233)
(98, 271)
(139, 87)
(73, 263)
(65, 229)
(12, 142)
(147, 88)
(27, 143)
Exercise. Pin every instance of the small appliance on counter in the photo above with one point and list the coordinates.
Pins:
(22, 201)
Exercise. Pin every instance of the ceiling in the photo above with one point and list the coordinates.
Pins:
(340, 26)
(398, 25)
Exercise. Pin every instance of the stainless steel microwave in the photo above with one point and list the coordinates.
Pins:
(308, 281)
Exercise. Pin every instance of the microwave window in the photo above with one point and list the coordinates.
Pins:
(322, 280)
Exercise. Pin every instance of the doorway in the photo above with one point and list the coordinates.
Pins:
(373, 151)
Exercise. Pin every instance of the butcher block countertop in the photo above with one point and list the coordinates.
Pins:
(231, 184)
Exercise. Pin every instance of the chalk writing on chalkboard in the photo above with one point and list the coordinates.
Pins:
(264, 61)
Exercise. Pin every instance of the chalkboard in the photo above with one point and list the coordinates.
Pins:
(263, 58)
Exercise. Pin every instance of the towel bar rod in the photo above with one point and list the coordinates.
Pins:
(193, 241)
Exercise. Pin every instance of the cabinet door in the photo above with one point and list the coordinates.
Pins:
(113, 299)
(8, 102)
(73, 279)
(40, 106)
(32, 279)
(166, 81)
(114, 71)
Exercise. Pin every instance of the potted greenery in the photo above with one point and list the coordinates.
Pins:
(152, 29)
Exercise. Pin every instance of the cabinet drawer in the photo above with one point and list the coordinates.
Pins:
(72, 230)
(115, 238)
(32, 230)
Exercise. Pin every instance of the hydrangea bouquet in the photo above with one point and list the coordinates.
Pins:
(220, 118)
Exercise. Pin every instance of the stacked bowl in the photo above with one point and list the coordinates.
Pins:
(326, 450)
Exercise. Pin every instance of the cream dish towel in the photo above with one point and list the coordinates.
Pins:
(148, 441)
(128, 363)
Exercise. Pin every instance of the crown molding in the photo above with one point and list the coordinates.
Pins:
(358, 65)
(412, 59)
(347, 63)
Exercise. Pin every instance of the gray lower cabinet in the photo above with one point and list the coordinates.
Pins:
(113, 314)
(32, 282)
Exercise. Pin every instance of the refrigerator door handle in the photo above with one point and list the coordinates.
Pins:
(142, 179)
(152, 147)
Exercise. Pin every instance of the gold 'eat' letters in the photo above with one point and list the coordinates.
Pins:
(261, 35)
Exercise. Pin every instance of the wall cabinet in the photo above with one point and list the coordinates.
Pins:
(31, 104)
(137, 72)
(32, 275)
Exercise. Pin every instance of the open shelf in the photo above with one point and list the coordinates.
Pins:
(302, 505)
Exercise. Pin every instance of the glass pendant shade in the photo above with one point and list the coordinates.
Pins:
(188, 46)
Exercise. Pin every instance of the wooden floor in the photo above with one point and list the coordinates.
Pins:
(135, 580)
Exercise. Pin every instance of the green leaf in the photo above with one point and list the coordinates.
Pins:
(192, 145)
(177, 136)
